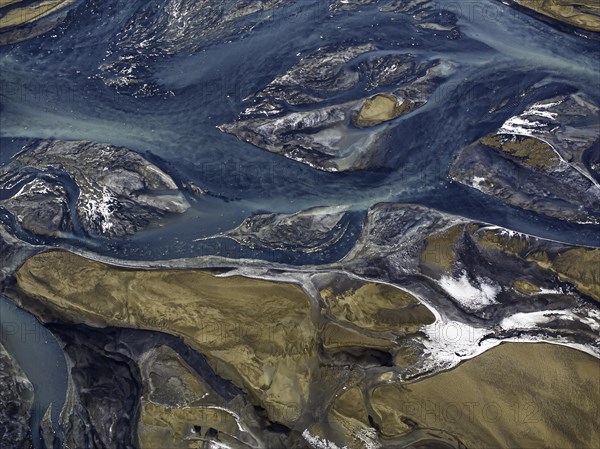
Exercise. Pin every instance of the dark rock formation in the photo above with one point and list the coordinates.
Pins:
(428, 15)
(306, 231)
(41, 207)
(102, 406)
(13, 252)
(535, 160)
(16, 397)
(111, 191)
(293, 114)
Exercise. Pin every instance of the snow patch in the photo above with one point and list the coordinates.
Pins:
(320, 443)
(524, 125)
(533, 320)
(593, 318)
(550, 291)
(217, 445)
(521, 126)
(505, 231)
(449, 342)
(477, 181)
(36, 187)
(470, 296)
(541, 110)
(98, 209)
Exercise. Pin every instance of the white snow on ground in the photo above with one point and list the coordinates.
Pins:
(503, 231)
(541, 110)
(468, 295)
(550, 291)
(529, 320)
(449, 342)
(594, 314)
(37, 186)
(320, 443)
(533, 320)
(96, 209)
(477, 181)
(525, 126)
(521, 126)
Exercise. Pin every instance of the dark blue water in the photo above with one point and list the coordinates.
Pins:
(51, 88)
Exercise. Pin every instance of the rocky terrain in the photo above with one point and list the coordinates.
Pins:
(420, 293)
(535, 160)
(13, 252)
(306, 231)
(297, 114)
(337, 224)
(102, 400)
(106, 191)
(16, 398)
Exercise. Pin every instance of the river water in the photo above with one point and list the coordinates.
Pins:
(39, 356)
